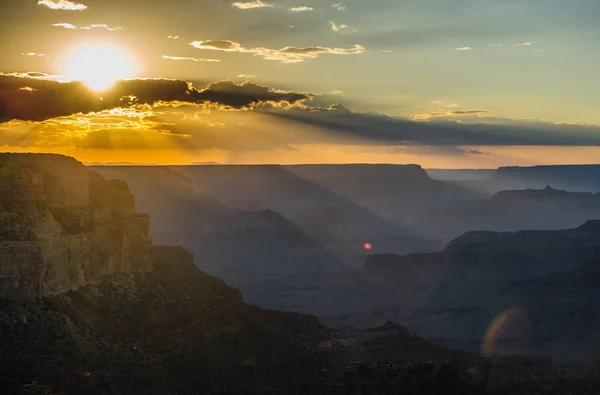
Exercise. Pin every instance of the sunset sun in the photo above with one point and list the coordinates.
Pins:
(99, 66)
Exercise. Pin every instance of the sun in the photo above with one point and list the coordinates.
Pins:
(99, 66)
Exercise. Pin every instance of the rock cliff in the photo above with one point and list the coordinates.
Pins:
(63, 226)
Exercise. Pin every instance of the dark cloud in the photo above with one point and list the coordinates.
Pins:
(466, 128)
(435, 150)
(468, 112)
(225, 45)
(47, 98)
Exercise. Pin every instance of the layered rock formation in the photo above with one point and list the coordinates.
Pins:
(179, 330)
(273, 261)
(528, 292)
(578, 178)
(136, 318)
(62, 226)
(519, 255)
(386, 205)
(477, 265)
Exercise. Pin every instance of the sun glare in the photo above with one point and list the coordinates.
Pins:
(99, 66)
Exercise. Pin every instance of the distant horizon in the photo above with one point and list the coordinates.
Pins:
(133, 164)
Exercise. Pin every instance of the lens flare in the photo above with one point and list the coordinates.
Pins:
(368, 246)
(498, 325)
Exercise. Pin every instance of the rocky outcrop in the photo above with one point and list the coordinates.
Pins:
(546, 193)
(520, 254)
(62, 226)
(540, 209)
(172, 330)
(512, 210)
(582, 178)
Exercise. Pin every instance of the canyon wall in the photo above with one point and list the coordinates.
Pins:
(63, 226)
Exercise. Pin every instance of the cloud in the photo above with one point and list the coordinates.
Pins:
(458, 128)
(341, 28)
(190, 59)
(30, 54)
(495, 45)
(246, 76)
(446, 113)
(141, 129)
(65, 25)
(336, 92)
(462, 49)
(526, 44)
(62, 5)
(433, 150)
(90, 27)
(337, 28)
(301, 9)
(101, 26)
(50, 98)
(266, 125)
(220, 45)
(251, 4)
(285, 55)
(339, 6)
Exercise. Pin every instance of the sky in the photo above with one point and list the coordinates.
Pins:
(441, 83)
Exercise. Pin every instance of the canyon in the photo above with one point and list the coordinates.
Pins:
(89, 304)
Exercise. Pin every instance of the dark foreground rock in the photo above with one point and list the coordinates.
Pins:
(175, 330)
(180, 331)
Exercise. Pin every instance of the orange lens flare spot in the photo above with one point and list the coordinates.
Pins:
(368, 246)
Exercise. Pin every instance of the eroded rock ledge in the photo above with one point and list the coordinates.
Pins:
(63, 226)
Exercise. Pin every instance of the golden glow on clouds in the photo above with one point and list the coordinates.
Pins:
(188, 58)
(251, 4)
(285, 55)
(62, 5)
(97, 65)
(186, 134)
(90, 27)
